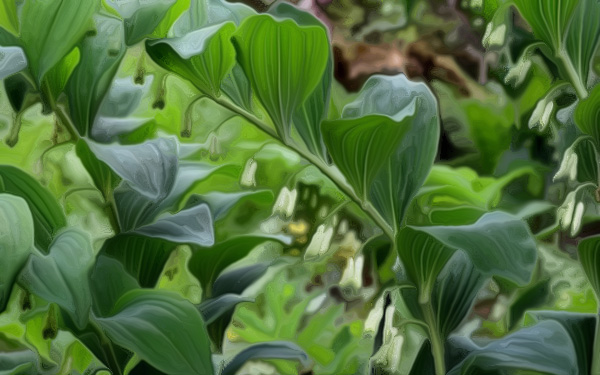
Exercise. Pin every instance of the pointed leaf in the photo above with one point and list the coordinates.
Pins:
(110, 280)
(284, 63)
(99, 60)
(214, 308)
(203, 56)
(163, 329)
(385, 142)
(43, 22)
(48, 216)
(545, 348)
(498, 244)
(140, 17)
(237, 280)
(62, 275)
(16, 241)
(589, 256)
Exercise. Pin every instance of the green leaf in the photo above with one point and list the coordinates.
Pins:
(207, 264)
(214, 308)
(140, 17)
(385, 143)
(44, 22)
(203, 13)
(104, 178)
(587, 115)
(57, 77)
(22, 362)
(581, 329)
(8, 16)
(12, 60)
(203, 56)
(110, 280)
(544, 348)
(284, 63)
(16, 241)
(589, 256)
(62, 275)
(143, 257)
(163, 329)
(100, 57)
(582, 37)
(48, 216)
(238, 279)
(266, 350)
(454, 292)
(498, 244)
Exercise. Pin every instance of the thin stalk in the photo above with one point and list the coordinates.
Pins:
(596, 352)
(436, 340)
(573, 76)
(331, 172)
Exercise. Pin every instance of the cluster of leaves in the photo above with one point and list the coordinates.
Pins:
(159, 131)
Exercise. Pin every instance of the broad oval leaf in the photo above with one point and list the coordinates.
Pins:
(45, 21)
(589, 256)
(163, 329)
(100, 58)
(62, 275)
(386, 142)
(149, 168)
(204, 56)
(16, 241)
(544, 348)
(498, 244)
(48, 216)
(284, 63)
(141, 17)
(12, 60)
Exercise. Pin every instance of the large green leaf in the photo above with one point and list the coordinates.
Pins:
(203, 56)
(544, 348)
(57, 77)
(109, 281)
(48, 216)
(140, 17)
(266, 350)
(454, 292)
(51, 28)
(100, 57)
(62, 275)
(8, 16)
(498, 244)
(163, 329)
(385, 143)
(581, 329)
(587, 115)
(589, 256)
(284, 63)
(16, 241)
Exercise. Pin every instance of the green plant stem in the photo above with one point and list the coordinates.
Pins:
(573, 76)
(436, 340)
(328, 170)
(596, 352)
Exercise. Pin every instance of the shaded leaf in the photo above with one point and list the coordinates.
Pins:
(388, 133)
(22, 362)
(214, 308)
(498, 244)
(163, 329)
(16, 241)
(237, 280)
(589, 256)
(48, 216)
(140, 17)
(587, 115)
(109, 281)
(266, 350)
(62, 275)
(545, 347)
(91, 79)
